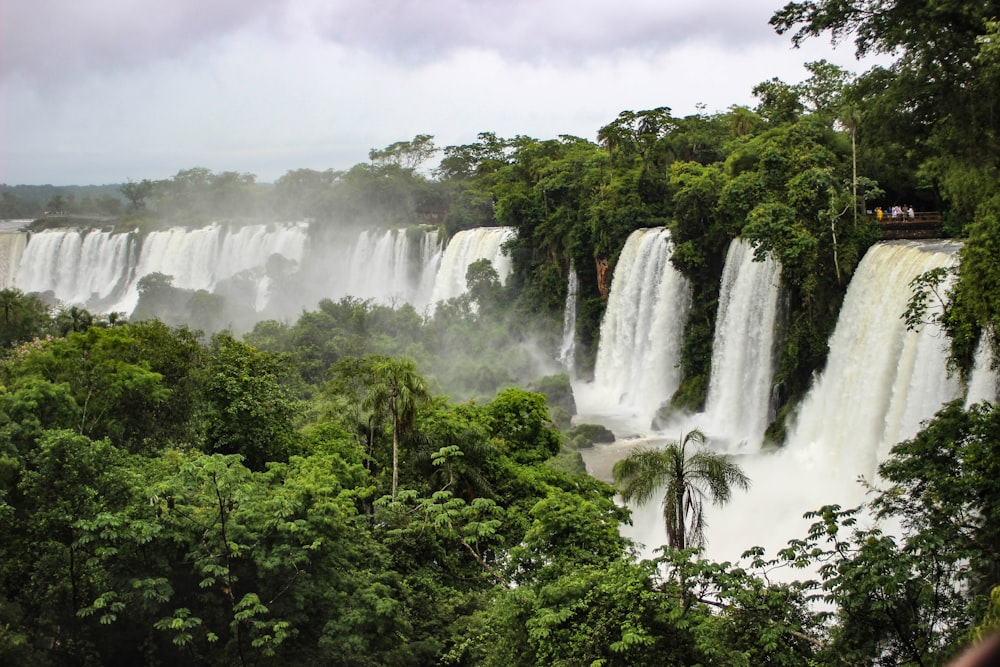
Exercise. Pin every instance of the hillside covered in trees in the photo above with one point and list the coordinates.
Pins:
(308, 495)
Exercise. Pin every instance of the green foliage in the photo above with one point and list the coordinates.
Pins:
(944, 489)
(101, 383)
(585, 435)
(396, 390)
(137, 193)
(24, 317)
(686, 481)
(519, 421)
(977, 298)
(248, 411)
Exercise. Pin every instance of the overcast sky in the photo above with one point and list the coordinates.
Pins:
(101, 91)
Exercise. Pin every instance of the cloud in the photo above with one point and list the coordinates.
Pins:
(59, 39)
(535, 29)
(144, 88)
(53, 40)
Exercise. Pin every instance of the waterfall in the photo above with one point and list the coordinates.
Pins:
(466, 247)
(11, 247)
(83, 268)
(567, 351)
(99, 269)
(202, 258)
(983, 382)
(636, 369)
(430, 261)
(388, 267)
(739, 391)
(880, 381)
(273, 269)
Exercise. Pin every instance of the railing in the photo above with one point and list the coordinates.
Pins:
(923, 225)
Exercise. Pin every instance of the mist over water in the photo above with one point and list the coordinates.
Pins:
(274, 270)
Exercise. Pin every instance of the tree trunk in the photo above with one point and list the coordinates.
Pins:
(395, 454)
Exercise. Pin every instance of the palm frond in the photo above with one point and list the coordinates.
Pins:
(685, 479)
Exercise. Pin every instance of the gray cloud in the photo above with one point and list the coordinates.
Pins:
(51, 40)
(57, 39)
(103, 90)
(537, 29)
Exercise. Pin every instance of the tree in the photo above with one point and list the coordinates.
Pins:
(137, 193)
(22, 317)
(45, 568)
(249, 410)
(520, 421)
(935, 102)
(483, 284)
(72, 319)
(688, 479)
(91, 382)
(397, 390)
(405, 154)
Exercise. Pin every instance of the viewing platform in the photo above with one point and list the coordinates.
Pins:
(923, 225)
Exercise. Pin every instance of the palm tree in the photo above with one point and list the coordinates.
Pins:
(687, 479)
(397, 390)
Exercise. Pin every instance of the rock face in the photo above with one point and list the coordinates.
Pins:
(603, 279)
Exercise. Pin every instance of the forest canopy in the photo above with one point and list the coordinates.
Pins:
(309, 494)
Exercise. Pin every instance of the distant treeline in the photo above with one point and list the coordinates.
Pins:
(33, 201)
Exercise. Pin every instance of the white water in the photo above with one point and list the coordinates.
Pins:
(636, 369)
(79, 267)
(385, 266)
(466, 247)
(274, 269)
(984, 385)
(567, 351)
(200, 259)
(880, 382)
(11, 247)
(737, 409)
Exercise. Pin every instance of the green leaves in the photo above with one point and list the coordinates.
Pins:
(686, 480)
(181, 626)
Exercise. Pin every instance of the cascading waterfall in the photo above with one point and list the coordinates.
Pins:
(11, 247)
(200, 259)
(466, 247)
(738, 402)
(567, 351)
(431, 253)
(880, 382)
(984, 385)
(387, 267)
(636, 369)
(274, 269)
(84, 268)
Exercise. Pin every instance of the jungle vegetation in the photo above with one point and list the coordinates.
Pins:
(167, 496)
